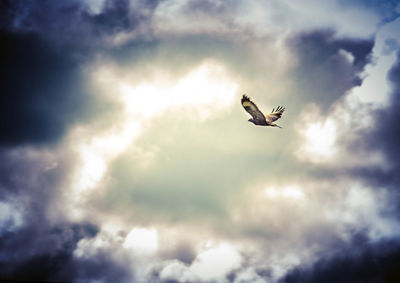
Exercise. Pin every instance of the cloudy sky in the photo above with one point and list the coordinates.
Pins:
(125, 155)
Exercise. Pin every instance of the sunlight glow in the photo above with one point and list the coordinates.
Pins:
(201, 93)
(320, 140)
(289, 192)
(142, 241)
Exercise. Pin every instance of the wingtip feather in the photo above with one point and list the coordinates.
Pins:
(245, 98)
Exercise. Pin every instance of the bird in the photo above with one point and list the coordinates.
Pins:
(258, 118)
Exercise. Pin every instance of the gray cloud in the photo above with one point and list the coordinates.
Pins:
(35, 242)
(327, 66)
(362, 260)
(385, 136)
(37, 252)
(43, 90)
(72, 20)
(357, 262)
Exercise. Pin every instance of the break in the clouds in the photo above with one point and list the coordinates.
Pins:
(126, 155)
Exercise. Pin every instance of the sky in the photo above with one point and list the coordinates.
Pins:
(126, 156)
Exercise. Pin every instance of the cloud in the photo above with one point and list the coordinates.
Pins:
(370, 257)
(327, 67)
(72, 21)
(364, 121)
(361, 263)
(212, 264)
(41, 253)
(129, 157)
(385, 137)
(230, 18)
(36, 241)
(118, 22)
(43, 91)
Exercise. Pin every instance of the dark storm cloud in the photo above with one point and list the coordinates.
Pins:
(358, 261)
(42, 90)
(114, 17)
(41, 252)
(32, 247)
(387, 133)
(102, 268)
(21, 175)
(385, 136)
(43, 48)
(323, 72)
(73, 20)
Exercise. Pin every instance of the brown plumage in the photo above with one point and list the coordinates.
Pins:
(259, 118)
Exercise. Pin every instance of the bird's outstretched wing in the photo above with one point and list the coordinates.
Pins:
(252, 108)
(275, 114)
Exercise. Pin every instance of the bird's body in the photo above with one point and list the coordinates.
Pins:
(259, 118)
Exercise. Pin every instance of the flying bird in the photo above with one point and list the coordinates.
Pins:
(258, 117)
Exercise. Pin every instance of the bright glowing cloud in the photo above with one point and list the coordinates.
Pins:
(319, 141)
(142, 241)
(215, 263)
(289, 192)
(206, 90)
(320, 138)
(211, 264)
(200, 93)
